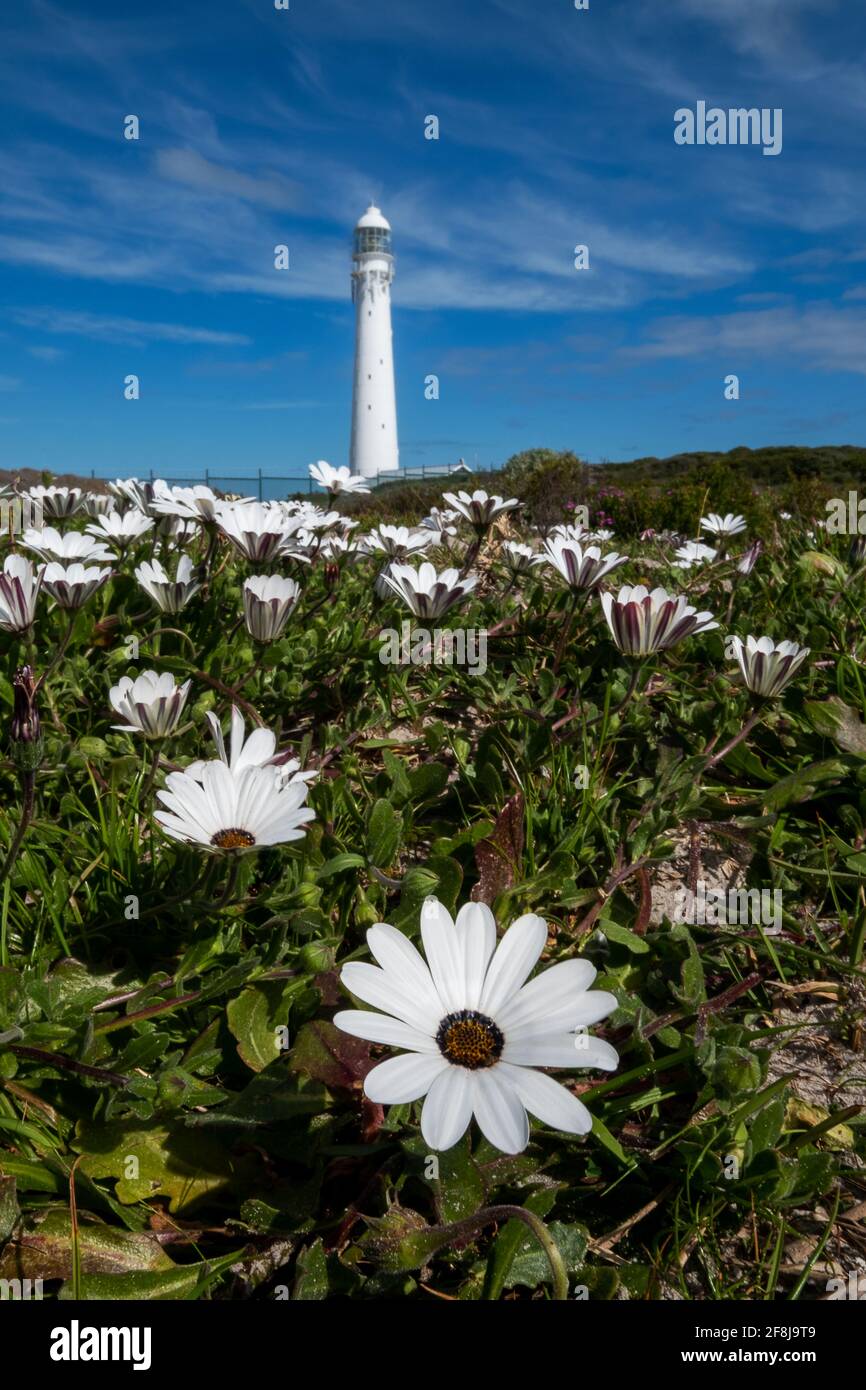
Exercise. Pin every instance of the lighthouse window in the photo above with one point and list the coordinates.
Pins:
(369, 239)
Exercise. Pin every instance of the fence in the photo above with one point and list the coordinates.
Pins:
(260, 484)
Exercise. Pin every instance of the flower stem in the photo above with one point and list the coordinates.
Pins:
(60, 652)
(507, 1212)
(28, 788)
(738, 738)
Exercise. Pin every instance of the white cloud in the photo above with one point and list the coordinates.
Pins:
(115, 329)
(826, 335)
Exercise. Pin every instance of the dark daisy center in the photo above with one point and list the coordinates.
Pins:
(469, 1039)
(233, 839)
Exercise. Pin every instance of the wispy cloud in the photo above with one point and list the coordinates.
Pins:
(826, 335)
(111, 329)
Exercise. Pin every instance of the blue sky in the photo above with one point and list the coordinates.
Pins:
(260, 127)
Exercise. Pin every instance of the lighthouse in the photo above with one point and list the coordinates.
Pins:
(374, 405)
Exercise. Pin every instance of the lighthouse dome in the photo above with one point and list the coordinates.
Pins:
(373, 218)
(373, 234)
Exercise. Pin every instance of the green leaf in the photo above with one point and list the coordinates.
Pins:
(839, 722)
(401, 1240)
(623, 937)
(151, 1159)
(95, 748)
(427, 781)
(384, 830)
(182, 1282)
(339, 864)
(311, 1278)
(607, 1141)
(531, 1267)
(693, 990)
(510, 1240)
(255, 1018)
(328, 1055)
(442, 878)
(766, 1127)
(460, 1187)
(802, 785)
(9, 1208)
(44, 1248)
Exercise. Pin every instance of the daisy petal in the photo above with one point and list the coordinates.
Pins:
(548, 1101)
(499, 1111)
(448, 1108)
(379, 1028)
(476, 933)
(444, 958)
(558, 985)
(383, 991)
(406, 966)
(516, 954)
(562, 1050)
(402, 1079)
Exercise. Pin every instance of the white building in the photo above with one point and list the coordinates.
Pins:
(374, 405)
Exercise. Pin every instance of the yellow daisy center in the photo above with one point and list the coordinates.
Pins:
(233, 839)
(469, 1039)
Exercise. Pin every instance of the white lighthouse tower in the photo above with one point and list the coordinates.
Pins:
(374, 405)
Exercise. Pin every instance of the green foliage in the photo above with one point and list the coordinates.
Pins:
(166, 1029)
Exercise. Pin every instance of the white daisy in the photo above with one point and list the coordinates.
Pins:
(396, 541)
(133, 492)
(569, 532)
(693, 553)
(268, 601)
(74, 545)
(170, 595)
(425, 592)
(258, 531)
(97, 503)
(749, 558)
(220, 810)
(151, 704)
(473, 1030)
(518, 559)
(441, 520)
(197, 503)
(581, 567)
(120, 527)
(337, 480)
(72, 585)
(727, 525)
(641, 622)
(479, 509)
(19, 591)
(57, 502)
(259, 750)
(767, 666)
